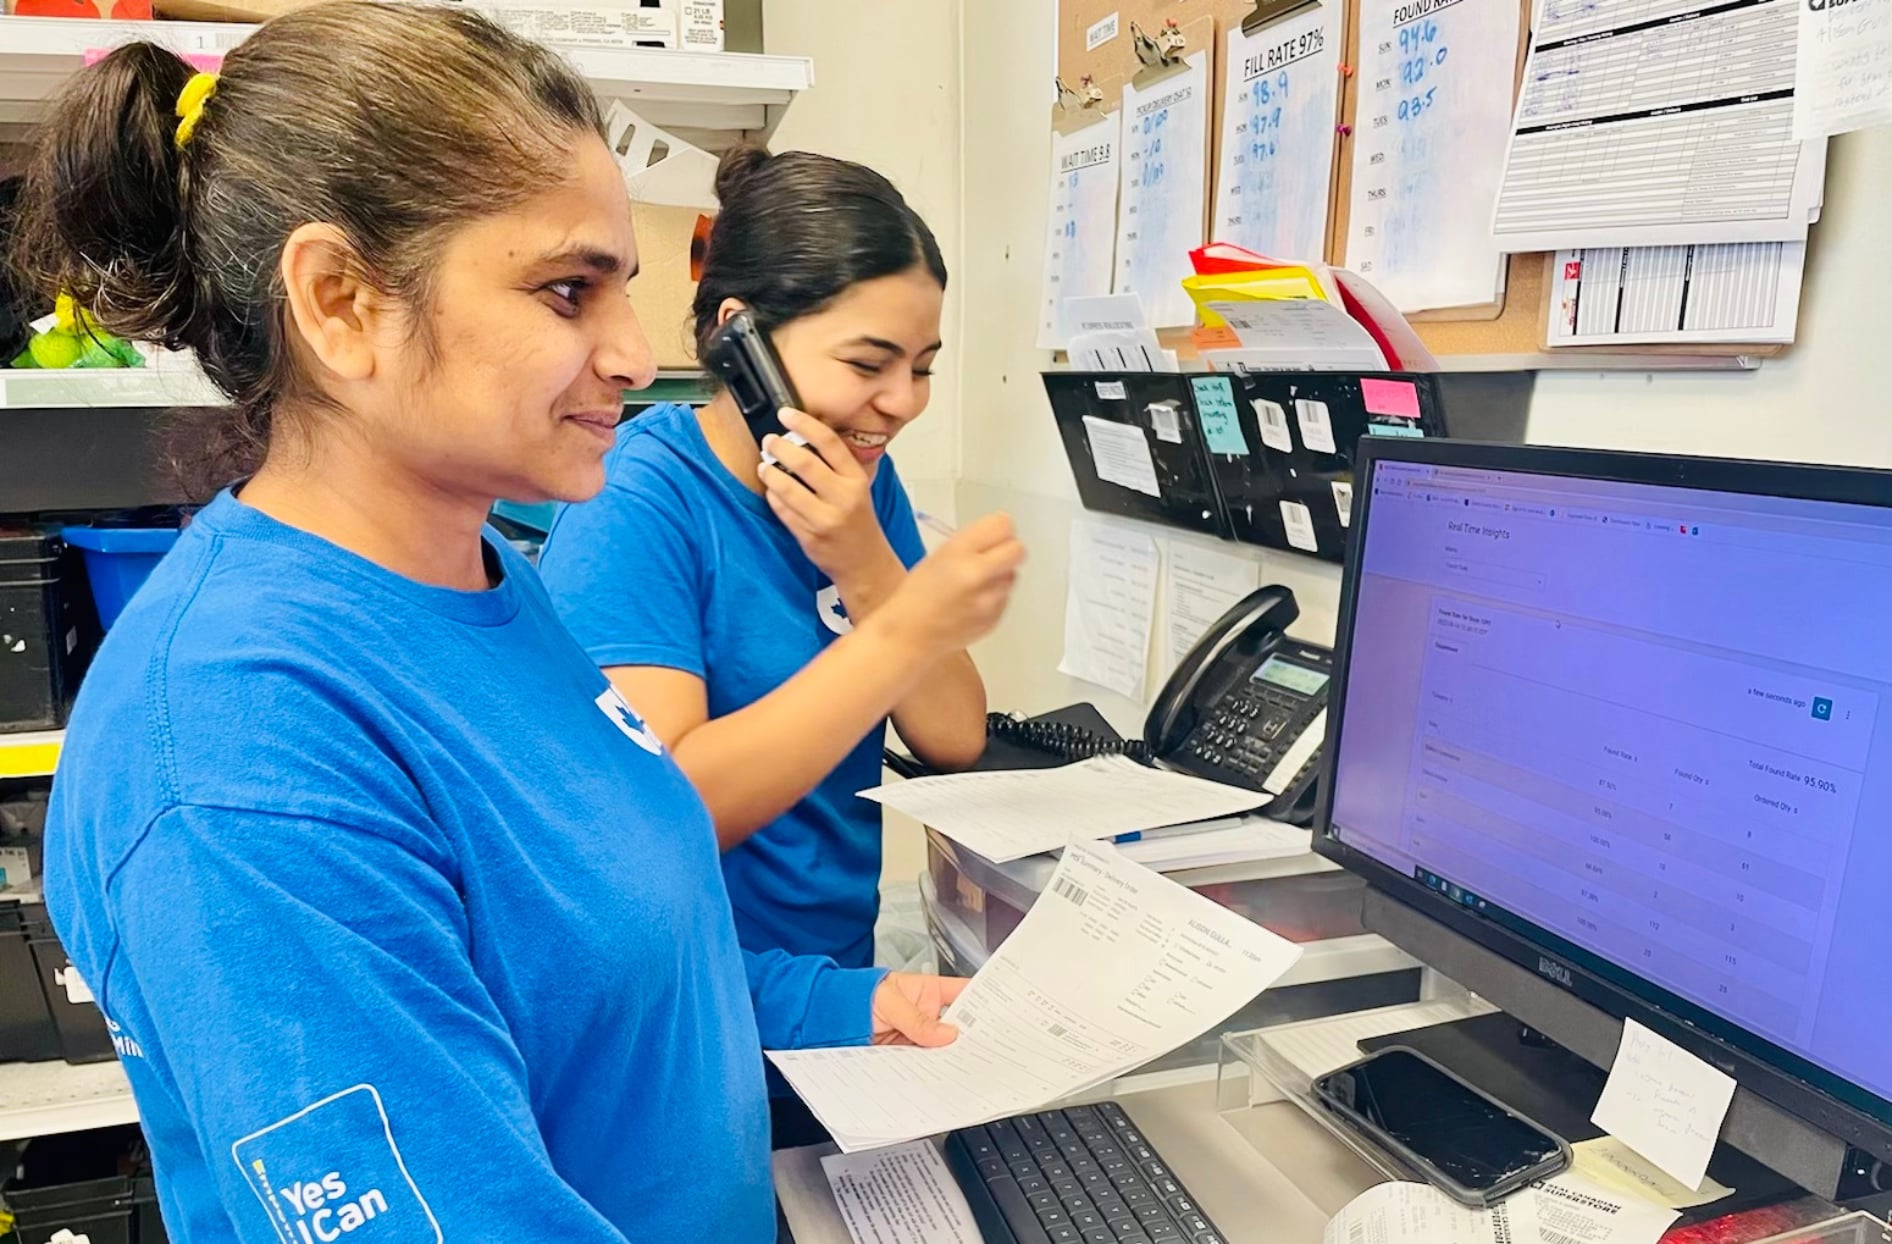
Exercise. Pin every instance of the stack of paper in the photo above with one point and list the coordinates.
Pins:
(1113, 966)
(1010, 813)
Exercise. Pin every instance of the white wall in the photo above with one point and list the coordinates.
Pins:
(886, 94)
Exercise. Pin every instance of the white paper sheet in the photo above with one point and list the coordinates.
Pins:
(1300, 524)
(1843, 73)
(1299, 334)
(1434, 113)
(1108, 606)
(1036, 1024)
(1081, 234)
(1165, 169)
(1273, 420)
(1007, 814)
(1121, 454)
(1609, 1162)
(1402, 1213)
(1633, 112)
(902, 1195)
(1278, 117)
(1203, 584)
(1664, 1103)
(1674, 295)
(1573, 1209)
(1317, 426)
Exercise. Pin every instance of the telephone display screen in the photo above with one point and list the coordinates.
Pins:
(1469, 1139)
(1289, 676)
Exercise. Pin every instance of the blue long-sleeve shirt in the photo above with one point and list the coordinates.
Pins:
(407, 928)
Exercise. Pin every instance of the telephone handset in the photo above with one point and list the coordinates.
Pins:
(1247, 707)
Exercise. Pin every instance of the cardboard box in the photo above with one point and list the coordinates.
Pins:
(586, 25)
(663, 290)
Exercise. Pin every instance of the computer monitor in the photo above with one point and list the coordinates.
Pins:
(1627, 721)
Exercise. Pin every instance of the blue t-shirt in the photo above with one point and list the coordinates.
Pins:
(676, 564)
(406, 927)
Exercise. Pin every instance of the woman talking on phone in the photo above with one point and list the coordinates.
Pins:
(326, 837)
(766, 622)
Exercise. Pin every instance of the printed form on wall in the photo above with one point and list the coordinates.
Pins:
(1165, 166)
(1278, 135)
(1081, 232)
(1434, 110)
(1655, 295)
(1657, 122)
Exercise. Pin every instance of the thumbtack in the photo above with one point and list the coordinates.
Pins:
(1343, 130)
(1346, 71)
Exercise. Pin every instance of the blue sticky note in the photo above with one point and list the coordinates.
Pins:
(1221, 422)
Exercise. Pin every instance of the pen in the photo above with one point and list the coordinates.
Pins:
(937, 526)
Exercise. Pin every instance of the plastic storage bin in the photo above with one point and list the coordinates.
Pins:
(1304, 900)
(27, 1034)
(83, 1035)
(118, 560)
(95, 1183)
(46, 630)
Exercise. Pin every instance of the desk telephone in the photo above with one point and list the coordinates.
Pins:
(1247, 707)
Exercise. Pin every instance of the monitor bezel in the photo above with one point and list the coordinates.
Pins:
(1829, 1101)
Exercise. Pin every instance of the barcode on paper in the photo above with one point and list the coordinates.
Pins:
(1064, 887)
(1549, 1236)
(1056, 1030)
(1356, 1234)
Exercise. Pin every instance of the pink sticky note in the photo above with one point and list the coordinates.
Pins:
(1390, 397)
(203, 62)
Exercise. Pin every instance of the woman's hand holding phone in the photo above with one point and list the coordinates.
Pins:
(826, 500)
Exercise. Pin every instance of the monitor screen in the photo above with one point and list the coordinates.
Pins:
(1653, 722)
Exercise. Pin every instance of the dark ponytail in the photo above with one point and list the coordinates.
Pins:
(397, 124)
(797, 229)
(102, 215)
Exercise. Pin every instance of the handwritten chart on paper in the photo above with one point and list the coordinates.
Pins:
(1278, 135)
(1165, 163)
(1844, 69)
(1434, 113)
(1082, 229)
(1654, 122)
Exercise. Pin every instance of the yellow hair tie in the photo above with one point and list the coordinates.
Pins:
(190, 104)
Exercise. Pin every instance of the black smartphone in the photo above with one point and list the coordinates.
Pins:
(740, 355)
(1468, 1144)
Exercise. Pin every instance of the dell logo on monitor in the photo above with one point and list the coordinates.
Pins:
(1553, 970)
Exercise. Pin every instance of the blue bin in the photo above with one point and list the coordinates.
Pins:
(117, 562)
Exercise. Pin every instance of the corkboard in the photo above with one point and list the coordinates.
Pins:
(1514, 326)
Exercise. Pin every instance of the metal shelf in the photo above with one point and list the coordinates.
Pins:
(30, 755)
(695, 90)
(44, 1099)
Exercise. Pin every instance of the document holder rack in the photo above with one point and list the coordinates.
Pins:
(1264, 458)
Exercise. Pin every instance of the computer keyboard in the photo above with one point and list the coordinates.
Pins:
(1084, 1175)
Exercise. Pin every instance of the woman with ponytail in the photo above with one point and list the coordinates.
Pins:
(768, 622)
(402, 919)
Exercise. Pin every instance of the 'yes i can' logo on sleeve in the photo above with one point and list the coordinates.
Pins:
(332, 1172)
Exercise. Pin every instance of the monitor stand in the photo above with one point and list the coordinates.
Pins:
(1547, 1083)
(1781, 1141)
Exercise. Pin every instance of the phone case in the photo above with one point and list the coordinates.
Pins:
(1476, 1198)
